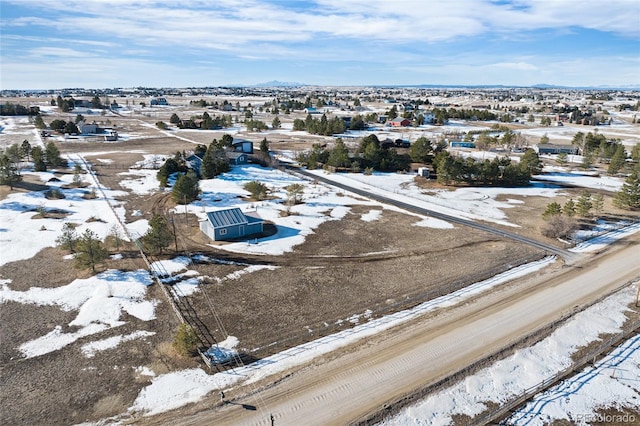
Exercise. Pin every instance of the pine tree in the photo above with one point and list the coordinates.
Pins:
(264, 147)
(294, 193)
(9, 174)
(421, 150)
(52, 155)
(530, 162)
(39, 122)
(25, 149)
(598, 203)
(186, 189)
(185, 340)
(553, 209)
(208, 169)
(339, 155)
(629, 195)
(67, 240)
(37, 155)
(158, 237)
(115, 236)
(617, 161)
(562, 158)
(258, 190)
(584, 204)
(77, 178)
(90, 251)
(569, 208)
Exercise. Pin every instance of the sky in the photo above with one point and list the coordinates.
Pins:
(50, 44)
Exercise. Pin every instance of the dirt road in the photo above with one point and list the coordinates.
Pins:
(347, 387)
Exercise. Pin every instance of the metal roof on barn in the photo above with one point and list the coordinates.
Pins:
(227, 217)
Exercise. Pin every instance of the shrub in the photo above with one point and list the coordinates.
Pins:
(91, 195)
(258, 190)
(185, 341)
(559, 226)
(54, 194)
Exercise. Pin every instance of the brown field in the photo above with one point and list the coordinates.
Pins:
(343, 269)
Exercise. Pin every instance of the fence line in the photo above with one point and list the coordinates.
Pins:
(502, 411)
(131, 238)
(409, 300)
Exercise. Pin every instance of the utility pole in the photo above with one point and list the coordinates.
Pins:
(175, 236)
(637, 294)
(186, 218)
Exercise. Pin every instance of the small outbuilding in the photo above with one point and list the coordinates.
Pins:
(87, 128)
(548, 148)
(400, 122)
(243, 146)
(423, 172)
(236, 158)
(462, 144)
(158, 101)
(230, 223)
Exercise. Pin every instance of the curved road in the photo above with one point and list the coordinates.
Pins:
(566, 255)
(351, 385)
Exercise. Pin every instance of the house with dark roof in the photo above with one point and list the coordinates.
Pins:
(195, 163)
(243, 146)
(158, 101)
(400, 122)
(230, 223)
(236, 158)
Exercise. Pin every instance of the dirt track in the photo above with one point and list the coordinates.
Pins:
(356, 383)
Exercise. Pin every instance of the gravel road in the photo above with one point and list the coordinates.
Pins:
(355, 384)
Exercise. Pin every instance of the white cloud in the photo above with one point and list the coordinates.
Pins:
(516, 66)
(56, 51)
(239, 23)
(442, 38)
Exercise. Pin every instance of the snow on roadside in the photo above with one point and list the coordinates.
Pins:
(611, 382)
(193, 385)
(175, 389)
(601, 241)
(171, 266)
(224, 351)
(371, 215)
(527, 367)
(140, 182)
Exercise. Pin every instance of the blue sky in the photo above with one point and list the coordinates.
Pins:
(49, 44)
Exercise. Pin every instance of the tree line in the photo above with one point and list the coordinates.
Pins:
(12, 157)
(594, 146)
(322, 126)
(498, 171)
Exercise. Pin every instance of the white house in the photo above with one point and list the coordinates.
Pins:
(86, 128)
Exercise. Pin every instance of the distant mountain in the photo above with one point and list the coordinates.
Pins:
(602, 87)
(276, 83)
